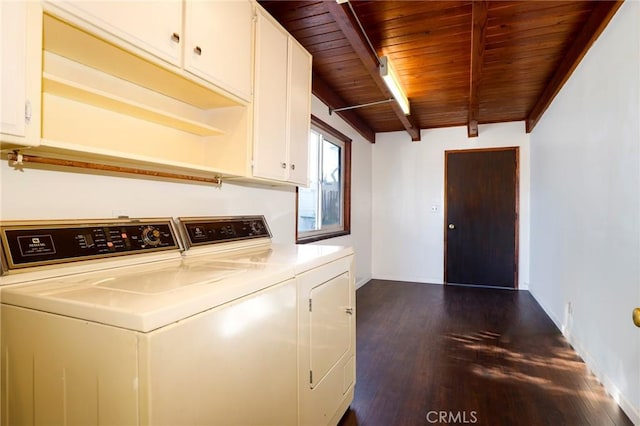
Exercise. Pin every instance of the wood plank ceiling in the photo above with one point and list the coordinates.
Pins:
(459, 62)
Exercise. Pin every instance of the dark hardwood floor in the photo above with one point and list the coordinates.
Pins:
(433, 354)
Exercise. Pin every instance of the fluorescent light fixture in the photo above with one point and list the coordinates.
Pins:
(390, 77)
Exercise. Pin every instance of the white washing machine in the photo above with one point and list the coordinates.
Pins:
(105, 322)
(325, 303)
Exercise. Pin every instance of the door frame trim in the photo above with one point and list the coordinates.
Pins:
(517, 206)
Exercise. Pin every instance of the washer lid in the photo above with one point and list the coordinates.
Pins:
(146, 297)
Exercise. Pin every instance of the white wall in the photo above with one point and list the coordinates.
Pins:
(361, 152)
(408, 180)
(64, 194)
(52, 194)
(585, 208)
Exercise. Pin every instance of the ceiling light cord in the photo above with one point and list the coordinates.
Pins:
(332, 110)
(375, 53)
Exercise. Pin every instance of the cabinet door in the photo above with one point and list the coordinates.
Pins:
(13, 16)
(330, 335)
(270, 101)
(218, 43)
(326, 338)
(149, 25)
(299, 113)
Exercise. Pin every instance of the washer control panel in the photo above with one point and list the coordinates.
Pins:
(36, 243)
(214, 230)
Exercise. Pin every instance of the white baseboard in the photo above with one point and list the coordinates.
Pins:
(426, 280)
(609, 385)
(413, 279)
(360, 281)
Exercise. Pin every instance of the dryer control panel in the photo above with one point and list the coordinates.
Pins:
(213, 230)
(30, 244)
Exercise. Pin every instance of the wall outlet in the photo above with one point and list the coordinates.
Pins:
(567, 323)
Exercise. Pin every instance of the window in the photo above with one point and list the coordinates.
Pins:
(324, 209)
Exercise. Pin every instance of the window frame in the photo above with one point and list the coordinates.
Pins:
(331, 133)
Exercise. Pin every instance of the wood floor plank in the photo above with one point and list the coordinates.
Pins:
(467, 355)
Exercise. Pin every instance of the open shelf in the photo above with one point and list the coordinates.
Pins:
(102, 104)
(78, 92)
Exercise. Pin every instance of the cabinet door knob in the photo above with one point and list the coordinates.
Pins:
(197, 50)
(293, 167)
(284, 165)
(175, 37)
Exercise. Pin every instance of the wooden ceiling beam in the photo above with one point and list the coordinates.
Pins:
(596, 23)
(352, 32)
(478, 31)
(331, 99)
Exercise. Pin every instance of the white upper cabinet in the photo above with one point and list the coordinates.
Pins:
(299, 114)
(20, 63)
(218, 43)
(282, 96)
(201, 87)
(12, 68)
(270, 101)
(154, 26)
(209, 39)
(106, 99)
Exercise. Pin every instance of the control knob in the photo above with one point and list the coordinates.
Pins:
(151, 236)
(257, 227)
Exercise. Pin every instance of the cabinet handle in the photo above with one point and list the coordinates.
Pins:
(349, 311)
(293, 167)
(175, 37)
(198, 50)
(284, 165)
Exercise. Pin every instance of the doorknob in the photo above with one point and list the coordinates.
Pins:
(452, 226)
(636, 317)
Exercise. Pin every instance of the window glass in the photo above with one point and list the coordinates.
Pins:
(308, 198)
(331, 184)
(323, 207)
